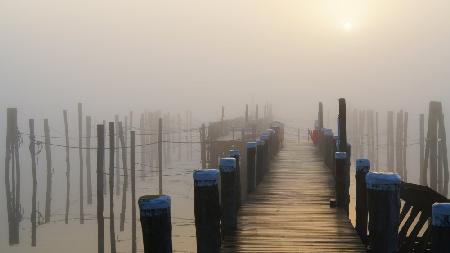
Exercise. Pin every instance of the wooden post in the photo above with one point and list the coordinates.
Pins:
(320, 116)
(440, 230)
(432, 142)
(228, 195)
(236, 154)
(156, 223)
(66, 133)
(443, 153)
(423, 172)
(362, 168)
(48, 157)
(160, 155)
(33, 172)
(362, 122)
(125, 178)
(10, 185)
(117, 150)
(207, 210)
(399, 144)
(133, 190)
(246, 114)
(377, 146)
(80, 154)
(104, 167)
(100, 174)
(143, 153)
(342, 181)
(383, 194)
(342, 125)
(256, 112)
(112, 233)
(251, 166)
(390, 141)
(405, 146)
(88, 160)
(203, 145)
(259, 161)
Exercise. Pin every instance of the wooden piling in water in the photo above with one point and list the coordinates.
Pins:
(156, 223)
(405, 146)
(203, 145)
(383, 195)
(100, 176)
(251, 166)
(48, 158)
(207, 210)
(80, 155)
(125, 178)
(117, 150)
(390, 141)
(440, 233)
(160, 155)
(228, 195)
(423, 172)
(320, 116)
(362, 168)
(88, 160)
(342, 181)
(236, 154)
(133, 190)
(112, 232)
(66, 133)
(33, 173)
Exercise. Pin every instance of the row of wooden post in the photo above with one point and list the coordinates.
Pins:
(13, 173)
(378, 194)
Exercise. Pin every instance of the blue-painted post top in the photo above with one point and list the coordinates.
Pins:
(227, 164)
(236, 153)
(156, 203)
(260, 142)
(270, 130)
(251, 144)
(441, 215)
(340, 155)
(265, 136)
(206, 177)
(362, 164)
(382, 181)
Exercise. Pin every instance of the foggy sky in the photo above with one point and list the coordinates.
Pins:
(120, 55)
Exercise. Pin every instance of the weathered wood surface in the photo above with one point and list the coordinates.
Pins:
(289, 211)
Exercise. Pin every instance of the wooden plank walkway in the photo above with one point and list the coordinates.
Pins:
(289, 211)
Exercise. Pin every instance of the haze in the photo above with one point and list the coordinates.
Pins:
(121, 55)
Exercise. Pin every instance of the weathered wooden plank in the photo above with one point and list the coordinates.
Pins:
(289, 211)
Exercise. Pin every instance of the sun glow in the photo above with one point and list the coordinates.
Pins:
(347, 25)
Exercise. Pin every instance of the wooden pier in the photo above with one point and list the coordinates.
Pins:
(290, 210)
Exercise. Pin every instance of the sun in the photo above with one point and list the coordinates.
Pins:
(347, 25)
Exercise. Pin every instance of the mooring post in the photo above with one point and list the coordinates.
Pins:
(342, 181)
(440, 230)
(251, 166)
(228, 194)
(100, 200)
(156, 223)
(207, 210)
(383, 195)
(133, 187)
(236, 154)
(266, 151)
(259, 160)
(362, 168)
